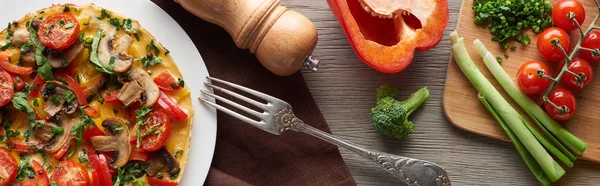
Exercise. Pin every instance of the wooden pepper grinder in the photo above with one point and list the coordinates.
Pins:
(282, 39)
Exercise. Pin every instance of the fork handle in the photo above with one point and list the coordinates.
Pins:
(411, 171)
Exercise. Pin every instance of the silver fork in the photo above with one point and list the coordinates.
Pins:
(277, 117)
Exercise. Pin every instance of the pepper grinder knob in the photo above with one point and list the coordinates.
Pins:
(282, 39)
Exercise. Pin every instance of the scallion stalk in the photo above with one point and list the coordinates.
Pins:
(533, 166)
(535, 112)
(512, 118)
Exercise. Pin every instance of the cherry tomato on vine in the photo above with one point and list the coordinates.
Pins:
(582, 68)
(565, 101)
(547, 49)
(59, 31)
(528, 79)
(591, 41)
(561, 11)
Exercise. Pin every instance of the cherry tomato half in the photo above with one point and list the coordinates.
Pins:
(70, 173)
(156, 139)
(582, 68)
(6, 87)
(8, 167)
(591, 41)
(166, 81)
(528, 79)
(560, 14)
(59, 31)
(564, 99)
(547, 49)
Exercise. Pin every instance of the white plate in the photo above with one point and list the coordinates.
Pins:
(183, 52)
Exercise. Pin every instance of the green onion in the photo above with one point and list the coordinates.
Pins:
(537, 114)
(533, 166)
(512, 118)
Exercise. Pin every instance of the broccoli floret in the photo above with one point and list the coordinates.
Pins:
(390, 116)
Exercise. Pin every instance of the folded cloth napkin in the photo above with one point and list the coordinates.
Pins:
(245, 155)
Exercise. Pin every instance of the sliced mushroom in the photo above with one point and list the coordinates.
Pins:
(117, 142)
(44, 132)
(156, 163)
(58, 59)
(28, 56)
(59, 140)
(172, 163)
(20, 37)
(130, 91)
(57, 90)
(109, 47)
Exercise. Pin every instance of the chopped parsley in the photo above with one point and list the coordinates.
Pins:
(53, 184)
(27, 134)
(78, 129)
(115, 22)
(66, 9)
(36, 103)
(111, 63)
(139, 115)
(151, 47)
(118, 127)
(149, 60)
(19, 101)
(25, 171)
(179, 83)
(104, 14)
(12, 133)
(499, 59)
(69, 25)
(83, 156)
(44, 68)
(69, 96)
(57, 131)
(167, 52)
(54, 100)
(94, 54)
(61, 23)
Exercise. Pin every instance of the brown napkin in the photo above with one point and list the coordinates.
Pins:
(245, 155)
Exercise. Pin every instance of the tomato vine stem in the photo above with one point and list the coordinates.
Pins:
(569, 57)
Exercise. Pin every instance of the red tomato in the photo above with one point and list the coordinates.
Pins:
(18, 81)
(8, 167)
(547, 49)
(21, 146)
(62, 29)
(40, 178)
(154, 140)
(583, 69)
(560, 14)
(6, 88)
(113, 96)
(70, 173)
(565, 100)
(528, 80)
(139, 155)
(173, 110)
(165, 80)
(90, 112)
(6, 65)
(153, 181)
(38, 82)
(591, 41)
(81, 99)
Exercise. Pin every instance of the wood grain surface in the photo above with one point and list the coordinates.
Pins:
(344, 89)
(459, 93)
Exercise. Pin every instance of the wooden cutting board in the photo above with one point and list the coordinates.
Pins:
(463, 109)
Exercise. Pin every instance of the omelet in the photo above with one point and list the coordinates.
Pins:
(89, 97)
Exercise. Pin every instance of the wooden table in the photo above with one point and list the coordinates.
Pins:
(344, 89)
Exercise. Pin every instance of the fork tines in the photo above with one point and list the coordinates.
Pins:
(261, 115)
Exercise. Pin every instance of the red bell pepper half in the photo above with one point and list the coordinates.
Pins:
(388, 45)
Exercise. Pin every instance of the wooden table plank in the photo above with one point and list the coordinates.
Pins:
(344, 89)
